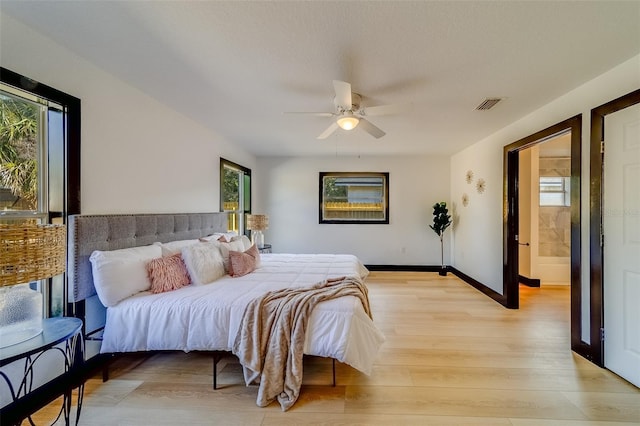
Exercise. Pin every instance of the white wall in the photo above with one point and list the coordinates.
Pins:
(138, 155)
(478, 239)
(288, 192)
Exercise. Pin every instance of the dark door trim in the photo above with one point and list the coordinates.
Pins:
(595, 211)
(511, 211)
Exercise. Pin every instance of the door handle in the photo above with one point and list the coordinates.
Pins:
(523, 244)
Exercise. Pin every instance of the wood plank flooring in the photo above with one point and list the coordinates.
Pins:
(452, 357)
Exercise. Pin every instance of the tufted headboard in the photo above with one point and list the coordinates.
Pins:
(110, 232)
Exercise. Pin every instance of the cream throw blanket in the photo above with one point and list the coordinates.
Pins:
(270, 341)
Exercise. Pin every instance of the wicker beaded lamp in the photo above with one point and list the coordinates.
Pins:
(257, 223)
(28, 253)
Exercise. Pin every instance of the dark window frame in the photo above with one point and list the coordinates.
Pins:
(71, 153)
(71, 105)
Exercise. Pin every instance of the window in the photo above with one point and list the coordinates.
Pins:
(39, 163)
(354, 197)
(22, 169)
(235, 194)
(555, 191)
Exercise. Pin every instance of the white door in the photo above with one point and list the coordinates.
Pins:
(621, 225)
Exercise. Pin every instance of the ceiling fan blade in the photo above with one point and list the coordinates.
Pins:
(368, 127)
(316, 114)
(343, 94)
(329, 131)
(384, 110)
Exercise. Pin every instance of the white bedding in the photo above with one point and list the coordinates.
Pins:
(207, 317)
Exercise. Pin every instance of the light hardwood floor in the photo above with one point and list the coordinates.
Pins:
(452, 357)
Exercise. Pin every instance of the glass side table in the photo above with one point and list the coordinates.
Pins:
(60, 341)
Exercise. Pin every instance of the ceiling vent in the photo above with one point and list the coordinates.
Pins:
(488, 104)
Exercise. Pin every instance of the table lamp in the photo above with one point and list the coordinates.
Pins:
(28, 252)
(257, 223)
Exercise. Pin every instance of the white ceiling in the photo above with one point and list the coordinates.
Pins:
(237, 66)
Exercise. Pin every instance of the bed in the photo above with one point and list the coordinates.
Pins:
(208, 317)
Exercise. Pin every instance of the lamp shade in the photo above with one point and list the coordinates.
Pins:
(28, 253)
(348, 121)
(31, 252)
(257, 222)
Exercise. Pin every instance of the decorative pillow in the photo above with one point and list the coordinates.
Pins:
(204, 262)
(118, 274)
(224, 237)
(174, 247)
(225, 248)
(246, 242)
(167, 273)
(242, 263)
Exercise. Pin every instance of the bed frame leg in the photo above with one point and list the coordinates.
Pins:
(216, 358)
(108, 359)
(333, 365)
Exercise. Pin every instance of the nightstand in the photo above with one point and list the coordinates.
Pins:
(62, 338)
(265, 248)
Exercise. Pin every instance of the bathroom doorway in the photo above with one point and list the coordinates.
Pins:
(544, 224)
(555, 188)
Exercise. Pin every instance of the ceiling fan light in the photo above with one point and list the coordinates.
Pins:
(348, 122)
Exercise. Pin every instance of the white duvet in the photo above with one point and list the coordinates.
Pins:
(207, 317)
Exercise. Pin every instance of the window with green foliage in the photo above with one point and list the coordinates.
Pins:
(20, 154)
(235, 194)
(39, 163)
(354, 197)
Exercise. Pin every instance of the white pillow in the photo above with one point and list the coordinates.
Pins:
(204, 262)
(118, 274)
(225, 248)
(175, 247)
(246, 242)
(220, 236)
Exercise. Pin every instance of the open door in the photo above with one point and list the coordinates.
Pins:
(621, 248)
(610, 235)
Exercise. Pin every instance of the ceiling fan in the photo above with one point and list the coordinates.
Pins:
(350, 113)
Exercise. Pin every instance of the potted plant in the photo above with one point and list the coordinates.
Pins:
(441, 221)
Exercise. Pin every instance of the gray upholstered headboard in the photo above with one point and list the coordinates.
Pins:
(110, 232)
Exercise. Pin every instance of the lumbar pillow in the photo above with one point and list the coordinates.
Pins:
(204, 262)
(167, 273)
(118, 274)
(242, 263)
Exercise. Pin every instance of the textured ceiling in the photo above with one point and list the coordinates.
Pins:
(237, 66)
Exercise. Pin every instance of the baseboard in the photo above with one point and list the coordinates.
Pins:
(406, 268)
(479, 286)
(529, 282)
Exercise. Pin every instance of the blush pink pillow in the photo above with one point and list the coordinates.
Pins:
(167, 273)
(242, 263)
